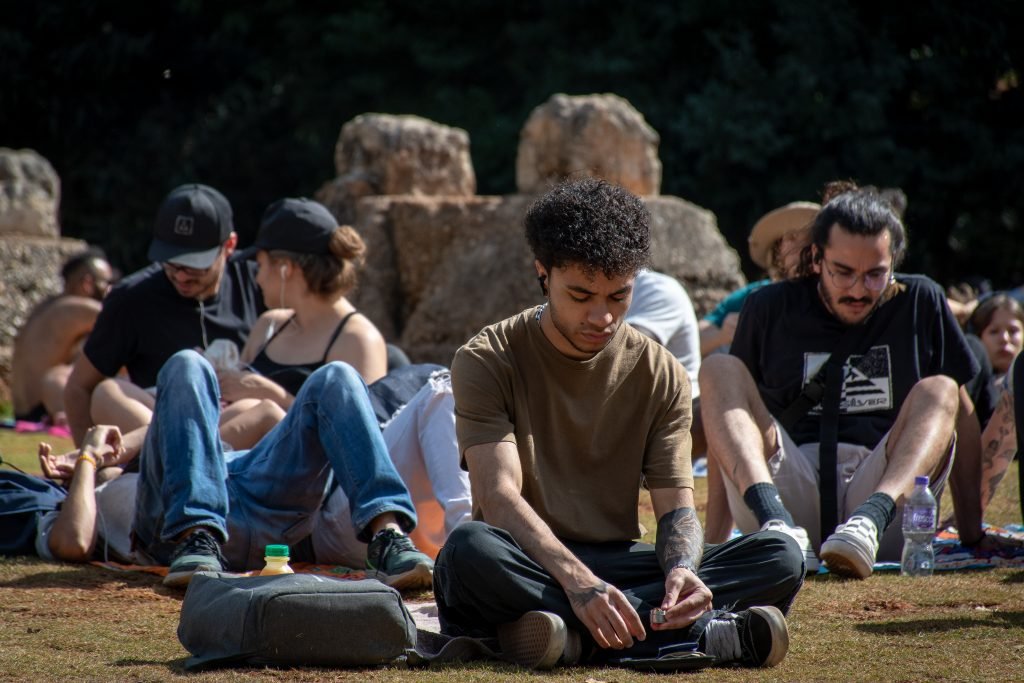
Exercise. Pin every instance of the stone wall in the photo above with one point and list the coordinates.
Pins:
(31, 268)
(440, 268)
(442, 264)
(31, 248)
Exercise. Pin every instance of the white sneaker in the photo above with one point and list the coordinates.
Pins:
(851, 550)
(798, 534)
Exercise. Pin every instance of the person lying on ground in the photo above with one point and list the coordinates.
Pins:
(199, 508)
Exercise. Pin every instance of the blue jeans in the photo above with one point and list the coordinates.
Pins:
(271, 493)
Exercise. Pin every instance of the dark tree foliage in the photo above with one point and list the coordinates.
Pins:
(757, 103)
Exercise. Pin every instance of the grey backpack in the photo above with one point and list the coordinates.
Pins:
(306, 620)
(292, 620)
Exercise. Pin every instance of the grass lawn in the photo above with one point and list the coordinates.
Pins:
(60, 622)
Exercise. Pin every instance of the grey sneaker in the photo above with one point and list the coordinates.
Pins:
(394, 560)
(852, 548)
(539, 640)
(754, 637)
(197, 552)
(798, 534)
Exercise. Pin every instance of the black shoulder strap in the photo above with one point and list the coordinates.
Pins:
(826, 387)
(828, 448)
(814, 391)
(337, 331)
(274, 333)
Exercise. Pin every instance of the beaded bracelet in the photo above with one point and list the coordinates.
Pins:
(88, 457)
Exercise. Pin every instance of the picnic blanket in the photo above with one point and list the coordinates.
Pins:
(29, 427)
(949, 556)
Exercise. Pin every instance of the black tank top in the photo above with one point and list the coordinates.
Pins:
(291, 377)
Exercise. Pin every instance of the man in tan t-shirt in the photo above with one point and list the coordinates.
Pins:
(562, 414)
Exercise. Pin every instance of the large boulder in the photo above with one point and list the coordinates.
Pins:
(29, 194)
(384, 154)
(595, 135)
(440, 268)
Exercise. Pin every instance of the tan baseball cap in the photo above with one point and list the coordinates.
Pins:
(775, 224)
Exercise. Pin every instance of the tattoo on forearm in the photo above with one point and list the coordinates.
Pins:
(581, 598)
(680, 539)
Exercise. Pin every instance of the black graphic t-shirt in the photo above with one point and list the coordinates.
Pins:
(145, 321)
(786, 334)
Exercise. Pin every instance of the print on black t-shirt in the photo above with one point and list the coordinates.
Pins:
(867, 380)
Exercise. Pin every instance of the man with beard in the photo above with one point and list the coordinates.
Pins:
(52, 337)
(562, 414)
(196, 291)
(879, 413)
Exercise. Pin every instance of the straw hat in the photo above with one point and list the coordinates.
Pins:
(774, 224)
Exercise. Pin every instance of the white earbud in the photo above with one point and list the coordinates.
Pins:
(284, 271)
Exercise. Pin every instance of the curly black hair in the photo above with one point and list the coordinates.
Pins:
(859, 211)
(590, 223)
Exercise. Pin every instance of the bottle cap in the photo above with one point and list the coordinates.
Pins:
(277, 551)
(921, 481)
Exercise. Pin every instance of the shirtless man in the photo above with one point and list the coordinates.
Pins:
(52, 337)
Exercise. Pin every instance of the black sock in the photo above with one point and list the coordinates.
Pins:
(764, 501)
(880, 509)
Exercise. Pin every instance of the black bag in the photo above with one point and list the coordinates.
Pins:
(23, 500)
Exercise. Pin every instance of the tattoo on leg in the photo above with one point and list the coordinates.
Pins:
(999, 445)
(680, 539)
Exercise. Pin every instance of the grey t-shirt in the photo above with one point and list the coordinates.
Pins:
(115, 509)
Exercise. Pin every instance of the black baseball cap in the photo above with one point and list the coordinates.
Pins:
(299, 225)
(192, 224)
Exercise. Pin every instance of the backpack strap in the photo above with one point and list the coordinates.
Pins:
(825, 388)
(828, 447)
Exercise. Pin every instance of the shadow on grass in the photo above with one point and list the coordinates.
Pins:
(1015, 577)
(913, 627)
(175, 665)
(79, 576)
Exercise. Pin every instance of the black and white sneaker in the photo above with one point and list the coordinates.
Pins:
(753, 637)
(197, 552)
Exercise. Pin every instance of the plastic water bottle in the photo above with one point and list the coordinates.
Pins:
(276, 557)
(918, 531)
